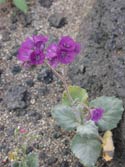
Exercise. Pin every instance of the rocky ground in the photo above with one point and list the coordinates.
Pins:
(26, 97)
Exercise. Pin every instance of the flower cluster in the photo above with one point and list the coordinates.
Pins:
(33, 51)
(63, 52)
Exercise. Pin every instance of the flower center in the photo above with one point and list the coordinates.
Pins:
(66, 45)
(37, 57)
(63, 54)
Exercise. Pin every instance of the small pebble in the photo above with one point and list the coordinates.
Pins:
(46, 3)
(30, 83)
(57, 20)
(16, 69)
(51, 160)
(32, 101)
(64, 164)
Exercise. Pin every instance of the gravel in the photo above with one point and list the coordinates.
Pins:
(31, 94)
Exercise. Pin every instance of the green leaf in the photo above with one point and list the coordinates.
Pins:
(89, 130)
(86, 149)
(113, 111)
(21, 4)
(77, 93)
(32, 160)
(65, 117)
(15, 164)
(2, 1)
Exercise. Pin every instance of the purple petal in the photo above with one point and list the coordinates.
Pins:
(67, 44)
(24, 54)
(36, 59)
(96, 114)
(29, 43)
(51, 51)
(66, 57)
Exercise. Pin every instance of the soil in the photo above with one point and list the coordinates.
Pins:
(101, 67)
(27, 96)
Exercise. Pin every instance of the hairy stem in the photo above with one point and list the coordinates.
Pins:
(62, 79)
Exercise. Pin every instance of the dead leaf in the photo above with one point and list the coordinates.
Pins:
(12, 156)
(108, 146)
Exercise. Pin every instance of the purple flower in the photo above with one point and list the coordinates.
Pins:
(96, 114)
(64, 52)
(51, 55)
(68, 49)
(32, 50)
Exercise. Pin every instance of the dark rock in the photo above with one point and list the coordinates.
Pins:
(46, 76)
(14, 51)
(1, 100)
(29, 149)
(57, 20)
(30, 82)
(46, 3)
(66, 151)
(6, 36)
(34, 116)
(27, 20)
(14, 18)
(57, 127)
(103, 73)
(66, 142)
(78, 164)
(57, 135)
(2, 127)
(48, 114)
(2, 147)
(52, 160)
(10, 132)
(24, 19)
(43, 91)
(20, 112)
(13, 27)
(64, 164)
(36, 145)
(42, 155)
(16, 69)
(1, 71)
(16, 97)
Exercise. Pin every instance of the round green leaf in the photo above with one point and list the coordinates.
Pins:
(21, 4)
(65, 117)
(2, 1)
(86, 149)
(113, 111)
(77, 93)
(89, 129)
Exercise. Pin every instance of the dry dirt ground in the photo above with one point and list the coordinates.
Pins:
(26, 97)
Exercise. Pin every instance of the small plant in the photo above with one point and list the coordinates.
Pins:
(92, 121)
(19, 156)
(20, 4)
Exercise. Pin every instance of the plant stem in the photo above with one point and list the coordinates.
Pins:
(62, 79)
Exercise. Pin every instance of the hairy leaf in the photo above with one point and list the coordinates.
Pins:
(65, 117)
(78, 94)
(113, 111)
(89, 130)
(86, 149)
